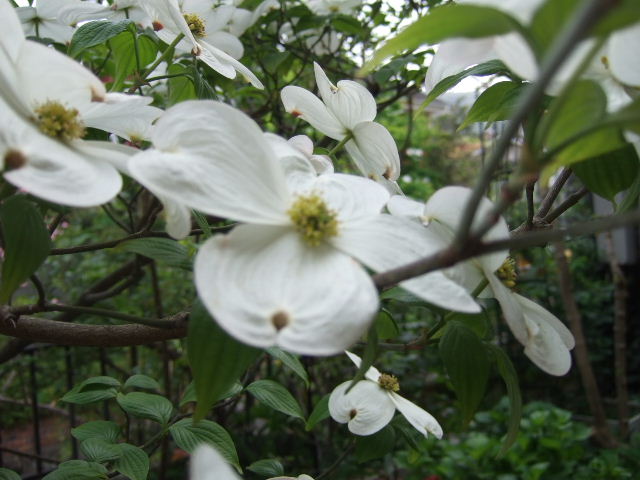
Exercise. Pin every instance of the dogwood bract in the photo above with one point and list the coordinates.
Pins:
(370, 405)
(347, 110)
(288, 276)
(545, 338)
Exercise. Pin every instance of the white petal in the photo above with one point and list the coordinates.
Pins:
(350, 102)
(213, 158)
(446, 206)
(169, 16)
(511, 309)
(453, 56)
(402, 206)
(253, 275)
(116, 154)
(372, 372)
(378, 149)
(46, 74)
(178, 218)
(515, 52)
(623, 55)
(383, 242)
(82, 11)
(366, 408)
(207, 464)
(304, 104)
(350, 196)
(227, 43)
(549, 340)
(128, 116)
(221, 62)
(11, 36)
(303, 144)
(322, 164)
(422, 420)
(297, 167)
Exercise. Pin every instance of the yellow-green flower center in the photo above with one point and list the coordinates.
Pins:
(388, 382)
(507, 273)
(57, 121)
(313, 219)
(196, 24)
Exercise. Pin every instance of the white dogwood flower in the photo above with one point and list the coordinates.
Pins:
(202, 28)
(327, 7)
(371, 404)
(287, 277)
(41, 20)
(546, 340)
(76, 11)
(347, 110)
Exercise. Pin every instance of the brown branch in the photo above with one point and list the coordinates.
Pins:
(581, 352)
(553, 192)
(569, 202)
(61, 333)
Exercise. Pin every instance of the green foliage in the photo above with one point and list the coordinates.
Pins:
(376, 445)
(497, 102)
(162, 250)
(291, 361)
(276, 396)
(26, 243)
(6, 474)
(132, 462)
(94, 33)
(610, 173)
(267, 468)
(146, 405)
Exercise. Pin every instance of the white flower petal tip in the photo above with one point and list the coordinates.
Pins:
(208, 464)
(299, 477)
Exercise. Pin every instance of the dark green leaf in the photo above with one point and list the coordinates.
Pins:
(609, 174)
(444, 22)
(276, 396)
(102, 429)
(204, 90)
(162, 250)
(386, 326)
(26, 243)
(146, 405)
(267, 468)
(496, 103)
(630, 201)
(291, 361)
(510, 377)
(89, 396)
(97, 450)
(141, 381)
(180, 88)
(467, 364)
(133, 462)
(399, 294)
(216, 359)
(202, 222)
(6, 474)
(320, 412)
(376, 445)
(102, 380)
(95, 33)
(190, 393)
(491, 67)
(124, 55)
(188, 436)
(549, 20)
(78, 470)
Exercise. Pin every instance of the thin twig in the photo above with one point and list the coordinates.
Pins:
(553, 192)
(569, 202)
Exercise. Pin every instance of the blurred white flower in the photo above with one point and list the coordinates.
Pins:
(327, 7)
(370, 405)
(41, 20)
(546, 340)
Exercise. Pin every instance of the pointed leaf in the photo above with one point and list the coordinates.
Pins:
(320, 412)
(188, 435)
(78, 470)
(216, 359)
(291, 361)
(467, 365)
(97, 450)
(133, 462)
(276, 396)
(609, 174)
(103, 429)
(496, 103)
(267, 468)
(95, 33)
(141, 381)
(89, 396)
(162, 250)
(26, 243)
(146, 405)
(6, 474)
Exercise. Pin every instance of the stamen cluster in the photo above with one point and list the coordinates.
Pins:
(57, 121)
(313, 219)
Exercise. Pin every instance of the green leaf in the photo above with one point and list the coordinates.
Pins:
(386, 326)
(162, 250)
(188, 435)
(491, 67)
(583, 108)
(103, 429)
(399, 294)
(89, 396)
(267, 468)
(444, 22)
(467, 365)
(510, 377)
(141, 381)
(180, 88)
(291, 361)
(133, 462)
(320, 412)
(204, 90)
(26, 243)
(631, 197)
(626, 13)
(347, 24)
(276, 396)
(97, 450)
(368, 357)
(6, 474)
(202, 222)
(496, 103)
(549, 20)
(190, 393)
(124, 55)
(101, 380)
(216, 359)
(376, 445)
(146, 405)
(609, 174)
(407, 431)
(95, 33)
(78, 470)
